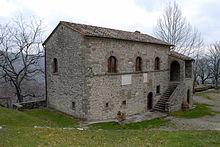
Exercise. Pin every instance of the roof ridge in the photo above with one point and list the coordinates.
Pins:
(105, 32)
(102, 27)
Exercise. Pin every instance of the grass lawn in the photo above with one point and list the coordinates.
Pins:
(148, 124)
(45, 117)
(18, 130)
(207, 94)
(200, 111)
(202, 85)
(27, 137)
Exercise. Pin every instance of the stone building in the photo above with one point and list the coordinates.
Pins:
(94, 72)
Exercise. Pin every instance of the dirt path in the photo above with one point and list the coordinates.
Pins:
(203, 123)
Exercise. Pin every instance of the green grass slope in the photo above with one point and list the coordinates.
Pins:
(44, 118)
(29, 137)
(148, 124)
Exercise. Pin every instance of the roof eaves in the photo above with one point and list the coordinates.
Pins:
(185, 58)
(51, 34)
(69, 26)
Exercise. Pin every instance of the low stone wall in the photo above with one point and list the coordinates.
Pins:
(176, 99)
(203, 88)
(30, 105)
(5, 102)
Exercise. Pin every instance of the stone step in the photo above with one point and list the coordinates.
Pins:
(169, 90)
(166, 95)
(160, 105)
(163, 99)
(162, 102)
(160, 110)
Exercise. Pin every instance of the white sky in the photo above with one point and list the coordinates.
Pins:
(128, 15)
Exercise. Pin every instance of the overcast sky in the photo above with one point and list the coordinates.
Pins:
(127, 15)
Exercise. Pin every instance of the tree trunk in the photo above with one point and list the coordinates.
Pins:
(194, 82)
(216, 82)
(19, 96)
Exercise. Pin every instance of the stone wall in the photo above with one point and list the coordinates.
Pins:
(188, 69)
(5, 102)
(67, 85)
(29, 105)
(106, 92)
(179, 96)
(82, 87)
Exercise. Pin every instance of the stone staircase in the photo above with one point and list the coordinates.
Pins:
(161, 104)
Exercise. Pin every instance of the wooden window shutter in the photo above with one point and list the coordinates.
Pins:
(138, 64)
(109, 64)
(157, 62)
(112, 64)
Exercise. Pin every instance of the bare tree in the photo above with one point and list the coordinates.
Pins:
(173, 28)
(20, 52)
(197, 54)
(214, 62)
(203, 70)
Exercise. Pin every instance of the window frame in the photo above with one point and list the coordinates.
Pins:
(55, 65)
(157, 63)
(138, 65)
(112, 64)
(158, 89)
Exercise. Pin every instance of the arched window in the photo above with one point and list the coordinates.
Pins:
(55, 65)
(138, 64)
(157, 63)
(112, 64)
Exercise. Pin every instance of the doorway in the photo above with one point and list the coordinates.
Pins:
(175, 71)
(149, 100)
(188, 96)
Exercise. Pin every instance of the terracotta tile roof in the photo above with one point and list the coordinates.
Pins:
(180, 56)
(94, 31)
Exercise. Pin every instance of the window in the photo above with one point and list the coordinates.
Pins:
(188, 69)
(112, 63)
(157, 63)
(158, 89)
(188, 96)
(73, 105)
(55, 65)
(138, 64)
(106, 105)
(123, 102)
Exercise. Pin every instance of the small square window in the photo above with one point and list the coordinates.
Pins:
(106, 105)
(123, 102)
(158, 89)
(73, 105)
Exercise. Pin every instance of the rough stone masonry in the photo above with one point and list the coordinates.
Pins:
(78, 59)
